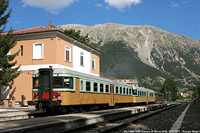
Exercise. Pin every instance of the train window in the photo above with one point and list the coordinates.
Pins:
(124, 91)
(117, 91)
(46, 79)
(107, 88)
(120, 90)
(87, 86)
(57, 82)
(134, 92)
(127, 91)
(95, 87)
(81, 85)
(101, 88)
(36, 82)
(68, 82)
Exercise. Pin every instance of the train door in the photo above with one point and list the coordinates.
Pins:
(45, 84)
(147, 95)
(112, 95)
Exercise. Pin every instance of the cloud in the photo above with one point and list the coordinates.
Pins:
(52, 6)
(120, 4)
(98, 5)
(177, 5)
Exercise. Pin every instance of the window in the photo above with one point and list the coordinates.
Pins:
(22, 50)
(127, 91)
(67, 54)
(68, 82)
(120, 90)
(81, 85)
(117, 89)
(38, 51)
(134, 92)
(93, 62)
(82, 59)
(57, 82)
(124, 91)
(36, 82)
(87, 86)
(95, 87)
(101, 88)
(107, 88)
(130, 92)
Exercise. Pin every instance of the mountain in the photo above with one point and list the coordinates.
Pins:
(144, 52)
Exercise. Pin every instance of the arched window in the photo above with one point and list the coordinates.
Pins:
(93, 63)
(81, 59)
(67, 53)
(38, 50)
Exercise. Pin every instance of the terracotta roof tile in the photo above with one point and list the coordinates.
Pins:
(35, 29)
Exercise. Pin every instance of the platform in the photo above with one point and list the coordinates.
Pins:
(15, 113)
(68, 121)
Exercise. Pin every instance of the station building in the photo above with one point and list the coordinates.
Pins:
(44, 47)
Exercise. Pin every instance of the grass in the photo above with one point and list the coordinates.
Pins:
(192, 118)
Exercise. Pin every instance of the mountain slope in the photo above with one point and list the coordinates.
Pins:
(167, 53)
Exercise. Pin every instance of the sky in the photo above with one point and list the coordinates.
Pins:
(176, 16)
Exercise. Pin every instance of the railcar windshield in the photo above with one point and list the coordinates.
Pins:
(63, 82)
(68, 82)
(57, 82)
(35, 82)
(46, 79)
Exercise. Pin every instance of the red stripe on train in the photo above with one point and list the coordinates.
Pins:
(45, 95)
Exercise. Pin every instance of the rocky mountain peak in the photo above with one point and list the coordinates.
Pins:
(165, 51)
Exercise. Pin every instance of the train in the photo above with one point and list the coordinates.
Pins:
(60, 89)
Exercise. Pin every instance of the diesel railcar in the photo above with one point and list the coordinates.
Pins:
(62, 89)
(159, 97)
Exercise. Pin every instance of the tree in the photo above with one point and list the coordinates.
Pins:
(76, 35)
(169, 88)
(7, 41)
(197, 90)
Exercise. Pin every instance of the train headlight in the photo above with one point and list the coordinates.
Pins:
(57, 94)
(35, 94)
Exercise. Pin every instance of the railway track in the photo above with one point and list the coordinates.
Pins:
(111, 126)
